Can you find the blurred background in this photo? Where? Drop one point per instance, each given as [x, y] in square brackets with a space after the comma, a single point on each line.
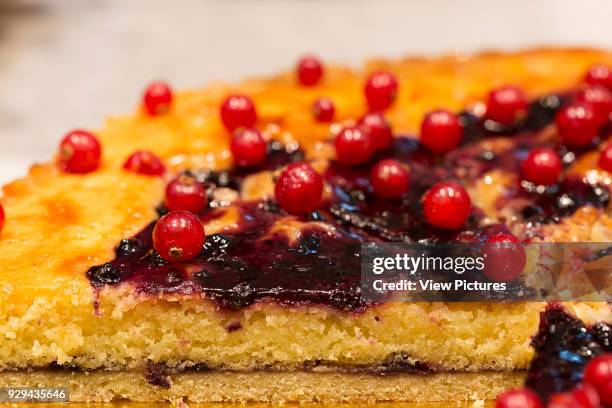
[71, 63]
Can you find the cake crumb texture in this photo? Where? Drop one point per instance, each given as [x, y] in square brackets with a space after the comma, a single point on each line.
[273, 387]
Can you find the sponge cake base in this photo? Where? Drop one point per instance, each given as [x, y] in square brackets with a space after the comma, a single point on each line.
[266, 386]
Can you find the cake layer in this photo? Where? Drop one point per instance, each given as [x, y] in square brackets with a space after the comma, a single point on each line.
[181, 404]
[272, 386]
[182, 332]
[59, 226]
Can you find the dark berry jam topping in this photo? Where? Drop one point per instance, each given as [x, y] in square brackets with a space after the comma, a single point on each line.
[157, 374]
[237, 269]
[563, 347]
[106, 274]
[551, 205]
[254, 262]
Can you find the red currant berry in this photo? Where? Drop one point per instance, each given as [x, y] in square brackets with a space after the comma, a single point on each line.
[145, 163]
[503, 238]
[390, 178]
[353, 146]
[605, 159]
[520, 398]
[441, 131]
[577, 124]
[599, 75]
[238, 111]
[447, 205]
[299, 189]
[2, 217]
[80, 152]
[542, 166]
[505, 258]
[323, 110]
[563, 400]
[605, 394]
[380, 90]
[248, 147]
[309, 70]
[600, 99]
[186, 194]
[178, 236]
[157, 98]
[586, 396]
[379, 129]
[506, 105]
[598, 372]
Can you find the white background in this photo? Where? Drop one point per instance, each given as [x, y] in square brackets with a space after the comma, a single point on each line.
[70, 63]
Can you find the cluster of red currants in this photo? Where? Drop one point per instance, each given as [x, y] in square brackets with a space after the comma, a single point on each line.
[578, 124]
[595, 391]
[299, 188]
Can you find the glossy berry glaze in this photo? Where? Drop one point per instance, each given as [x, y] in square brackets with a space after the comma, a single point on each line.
[563, 347]
[254, 262]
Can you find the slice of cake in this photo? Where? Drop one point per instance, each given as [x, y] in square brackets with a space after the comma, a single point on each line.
[248, 286]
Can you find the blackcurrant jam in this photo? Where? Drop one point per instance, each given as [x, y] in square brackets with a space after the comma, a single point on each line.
[563, 347]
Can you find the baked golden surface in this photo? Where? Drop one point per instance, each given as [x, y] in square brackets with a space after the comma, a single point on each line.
[59, 225]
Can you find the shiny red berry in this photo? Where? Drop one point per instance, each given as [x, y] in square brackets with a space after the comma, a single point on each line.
[586, 396]
[600, 99]
[2, 217]
[577, 124]
[543, 167]
[447, 205]
[145, 163]
[80, 152]
[503, 238]
[390, 178]
[323, 110]
[380, 90]
[309, 70]
[178, 236]
[519, 398]
[299, 189]
[563, 400]
[605, 394]
[506, 105]
[185, 193]
[353, 146]
[379, 128]
[605, 159]
[598, 372]
[238, 111]
[248, 147]
[157, 98]
[599, 75]
[504, 258]
[441, 131]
